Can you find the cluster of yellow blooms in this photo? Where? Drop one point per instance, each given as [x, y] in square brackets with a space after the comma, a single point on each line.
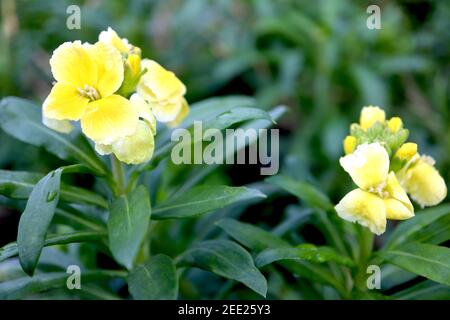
[385, 168]
[116, 96]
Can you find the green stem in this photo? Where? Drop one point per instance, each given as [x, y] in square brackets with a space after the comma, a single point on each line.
[119, 176]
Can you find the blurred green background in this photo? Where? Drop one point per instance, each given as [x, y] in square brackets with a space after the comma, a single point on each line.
[316, 57]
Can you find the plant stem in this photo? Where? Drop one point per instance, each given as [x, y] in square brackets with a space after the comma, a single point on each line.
[119, 176]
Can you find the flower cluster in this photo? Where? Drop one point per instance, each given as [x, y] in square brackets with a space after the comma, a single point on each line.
[116, 96]
[386, 169]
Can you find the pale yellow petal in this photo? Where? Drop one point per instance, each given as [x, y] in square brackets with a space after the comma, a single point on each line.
[364, 208]
[143, 110]
[103, 149]
[159, 83]
[62, 126]
[109, 119]
[397, 210]
[109, 67]
[64, 103]
[370, 115]
[71, 64]
[368, 166]
[166, 112]
[136, 148]
[181, 115]
[424, 183]
[396, 191]
[110, 37]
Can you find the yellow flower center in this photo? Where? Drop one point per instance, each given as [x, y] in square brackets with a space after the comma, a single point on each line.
[89, 92]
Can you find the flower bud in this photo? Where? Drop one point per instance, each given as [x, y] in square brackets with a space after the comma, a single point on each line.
[395, 124]
[406, 151]
[349, 144]
[370, 115]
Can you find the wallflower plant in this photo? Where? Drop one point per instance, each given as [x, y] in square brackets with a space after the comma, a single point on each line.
[140, 227]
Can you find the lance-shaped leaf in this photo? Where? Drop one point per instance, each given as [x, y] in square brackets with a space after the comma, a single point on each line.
[227, 259]
[36, 219]
[127, 225]
[21, 119]
[155, 280]
[427, 260]
[306, 252]
[19, 184]
[305, 191]
[203, 199]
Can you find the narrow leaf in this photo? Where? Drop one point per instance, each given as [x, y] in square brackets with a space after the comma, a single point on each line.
[427, 260]
[155, 280]
[227, 259]
[305, 191]
[201, 200]
[306, 252]
[127, 225]
[36, 219]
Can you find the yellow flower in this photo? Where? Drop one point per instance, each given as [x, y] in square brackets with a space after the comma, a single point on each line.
[110, 37]
[163, 91]
[181, 115]
[87, 76]
[370, 115]
[379, 196]
[137, 147]
[395, 124]
[423, 182]
[406, 151]
[349, 144]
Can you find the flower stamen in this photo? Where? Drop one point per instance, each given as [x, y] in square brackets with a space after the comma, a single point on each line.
[89, 92]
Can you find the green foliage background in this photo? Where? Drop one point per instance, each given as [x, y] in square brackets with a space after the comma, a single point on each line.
[317, 58]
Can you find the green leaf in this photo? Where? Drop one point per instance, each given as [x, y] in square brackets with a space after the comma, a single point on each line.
[21, 119]
[250, 236]
[11, 249]
[427, 260]
[19, 184]
[127, 225]
[306, 252]
[407, 229]
[23, 287]
[201, 200]
[227, 259]
[36, 219]
[305, 191]
[155, 280]
[426, 290]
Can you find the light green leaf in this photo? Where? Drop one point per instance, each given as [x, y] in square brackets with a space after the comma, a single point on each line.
[201, 200]
[127, 225]
[227, 259]
[306, 252]
[408, 228]
[305, 191]
[11, 250]
[36, 219]
[250, 236]
[19, 184]
[21, 119]
[155, 280]
[427, 260]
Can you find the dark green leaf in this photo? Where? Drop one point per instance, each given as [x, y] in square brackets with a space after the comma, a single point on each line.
[426, 290]
[201, 200]
[427, 260]
[422, 219]
[306, 252]
[21, 119]
[11, 250]
[250, 236]
[227, 259]
[155, 280]
[18, 185]
[127, 225]
[22, 287]
[305, 191]
[36, 219]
